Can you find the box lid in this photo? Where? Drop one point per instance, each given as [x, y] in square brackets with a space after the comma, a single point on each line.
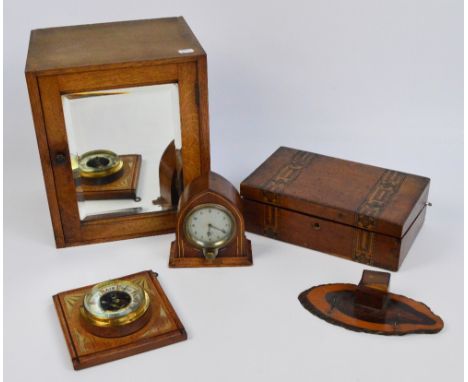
[368, 197]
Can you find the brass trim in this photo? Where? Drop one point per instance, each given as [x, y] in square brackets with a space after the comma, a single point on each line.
[218, 244]
[118, 321]
[101, 173]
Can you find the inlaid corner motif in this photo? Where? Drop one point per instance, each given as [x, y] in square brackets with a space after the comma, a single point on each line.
[71, 300]
[142, 283]
[82, 342]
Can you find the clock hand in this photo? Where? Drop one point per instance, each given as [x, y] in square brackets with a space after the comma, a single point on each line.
[219, 229]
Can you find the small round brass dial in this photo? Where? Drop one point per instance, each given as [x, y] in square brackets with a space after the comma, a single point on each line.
[99, 164]
[115, 308]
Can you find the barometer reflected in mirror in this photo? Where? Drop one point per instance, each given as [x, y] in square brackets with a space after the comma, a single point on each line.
[125, 149]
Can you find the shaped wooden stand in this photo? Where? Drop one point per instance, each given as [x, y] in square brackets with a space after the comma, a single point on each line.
[369, 307]
[163, 328]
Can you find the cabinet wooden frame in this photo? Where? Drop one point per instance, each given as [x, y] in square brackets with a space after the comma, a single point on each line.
[47, 85]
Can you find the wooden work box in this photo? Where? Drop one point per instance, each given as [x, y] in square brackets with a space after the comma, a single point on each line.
[98, 57]
[363, 213]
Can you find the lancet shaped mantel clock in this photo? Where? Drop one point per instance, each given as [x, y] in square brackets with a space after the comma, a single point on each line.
[121, 117]
[210, 230]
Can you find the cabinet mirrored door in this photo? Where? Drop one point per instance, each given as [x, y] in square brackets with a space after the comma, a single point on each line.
[125, 149]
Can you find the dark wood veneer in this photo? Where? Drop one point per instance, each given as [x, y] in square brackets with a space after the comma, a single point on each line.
[369, 307]
[360, 212]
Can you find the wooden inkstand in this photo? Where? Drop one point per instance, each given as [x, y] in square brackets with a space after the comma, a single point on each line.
[372, 290]
[369, 307]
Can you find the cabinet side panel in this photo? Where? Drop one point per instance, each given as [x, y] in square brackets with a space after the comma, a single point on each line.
[204, 115]
[44, 154]
[190, 121]
[57, 139]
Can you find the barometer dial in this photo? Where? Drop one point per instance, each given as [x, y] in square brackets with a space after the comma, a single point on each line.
[99, 164]
[115, 303]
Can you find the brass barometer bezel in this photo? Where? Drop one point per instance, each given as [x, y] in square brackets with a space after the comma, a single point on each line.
[119, 325]
[115, 165]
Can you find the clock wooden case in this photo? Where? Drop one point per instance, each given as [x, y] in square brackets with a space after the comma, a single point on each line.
[115, 55]
[211, 190]
[170, 176]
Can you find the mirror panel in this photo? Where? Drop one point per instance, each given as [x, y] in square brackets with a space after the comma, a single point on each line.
[125, 147]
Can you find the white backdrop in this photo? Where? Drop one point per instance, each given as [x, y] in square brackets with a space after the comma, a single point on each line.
[373, 81]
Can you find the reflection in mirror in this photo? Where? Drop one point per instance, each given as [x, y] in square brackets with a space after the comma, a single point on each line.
[125, 149]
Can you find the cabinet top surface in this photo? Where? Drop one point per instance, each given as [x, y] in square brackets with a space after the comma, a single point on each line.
[113, 43]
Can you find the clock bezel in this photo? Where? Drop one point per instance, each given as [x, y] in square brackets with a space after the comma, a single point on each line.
[219, 244]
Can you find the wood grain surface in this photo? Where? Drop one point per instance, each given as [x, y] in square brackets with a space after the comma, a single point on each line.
[86, 349]
[364, 213]
[211, 188]
[370, 308]
[108, 56]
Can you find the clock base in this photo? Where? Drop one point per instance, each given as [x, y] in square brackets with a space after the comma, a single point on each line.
[176, 261]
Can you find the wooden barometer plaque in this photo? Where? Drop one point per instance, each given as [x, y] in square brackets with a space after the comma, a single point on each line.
[116, 319]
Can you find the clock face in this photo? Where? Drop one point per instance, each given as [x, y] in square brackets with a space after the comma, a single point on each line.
[114, 299]
[209, 226]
